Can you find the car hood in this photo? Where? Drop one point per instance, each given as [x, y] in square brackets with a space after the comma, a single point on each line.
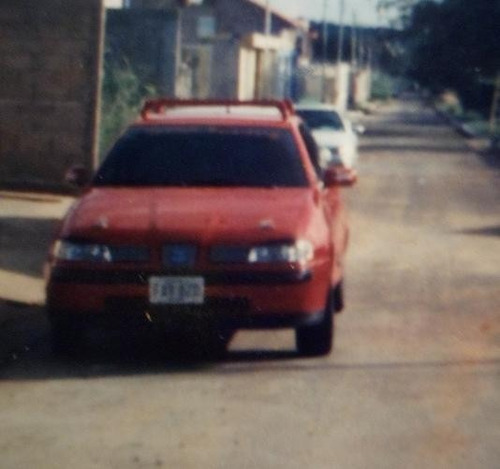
[205, 215]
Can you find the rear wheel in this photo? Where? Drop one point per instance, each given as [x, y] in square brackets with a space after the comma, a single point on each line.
[316, 340]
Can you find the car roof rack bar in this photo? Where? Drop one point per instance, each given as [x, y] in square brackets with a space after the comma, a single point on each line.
[159, 105]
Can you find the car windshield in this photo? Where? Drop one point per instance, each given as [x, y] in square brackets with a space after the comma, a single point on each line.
[321, 119]
[203, 156]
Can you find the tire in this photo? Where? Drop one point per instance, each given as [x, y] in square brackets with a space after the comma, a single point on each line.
[338, 297]
[67, 335]
[316, 340]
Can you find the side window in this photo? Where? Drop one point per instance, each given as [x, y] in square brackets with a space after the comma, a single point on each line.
[312, 148]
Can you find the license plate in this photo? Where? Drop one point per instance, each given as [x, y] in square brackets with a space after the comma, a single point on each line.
[176, 290]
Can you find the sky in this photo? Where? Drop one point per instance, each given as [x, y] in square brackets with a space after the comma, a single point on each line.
[364, 10]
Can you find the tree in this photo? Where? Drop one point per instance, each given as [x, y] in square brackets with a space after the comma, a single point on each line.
[453, 44]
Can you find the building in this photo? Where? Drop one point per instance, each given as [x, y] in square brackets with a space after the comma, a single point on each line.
[232, 48]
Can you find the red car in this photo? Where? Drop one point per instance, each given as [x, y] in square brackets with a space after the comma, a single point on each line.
[212, 212]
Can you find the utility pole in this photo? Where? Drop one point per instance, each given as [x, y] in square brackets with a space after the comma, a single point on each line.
[340, 50]
[361, 48]
[267, 19]
[325, 51]
[354, 47]
[341, 31]
[265, 65]
[494, 104]
[178, 50]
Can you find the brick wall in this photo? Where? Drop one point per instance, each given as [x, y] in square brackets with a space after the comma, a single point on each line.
[50, 52]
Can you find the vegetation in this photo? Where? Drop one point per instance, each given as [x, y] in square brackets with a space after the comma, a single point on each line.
[454, 44]
[380, 48]
[386, 85]
[122, 95]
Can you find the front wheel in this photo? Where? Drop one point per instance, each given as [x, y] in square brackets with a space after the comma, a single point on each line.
[67, 335]
[338, 297]
[316, 340]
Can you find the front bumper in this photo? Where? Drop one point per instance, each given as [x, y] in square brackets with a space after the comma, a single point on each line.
[240, 299]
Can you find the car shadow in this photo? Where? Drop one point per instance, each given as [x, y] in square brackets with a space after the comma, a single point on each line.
[484, 231]
[143, 351]
[146, 353]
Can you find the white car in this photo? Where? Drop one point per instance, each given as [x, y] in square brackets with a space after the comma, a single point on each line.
[332, 131]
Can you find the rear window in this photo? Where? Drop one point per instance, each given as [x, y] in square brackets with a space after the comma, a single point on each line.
[203, 156]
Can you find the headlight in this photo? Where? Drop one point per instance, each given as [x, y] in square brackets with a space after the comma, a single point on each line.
[71, 251]
[300, 251]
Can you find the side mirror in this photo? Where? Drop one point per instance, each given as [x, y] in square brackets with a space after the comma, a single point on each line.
[340, 177]
[77, 176]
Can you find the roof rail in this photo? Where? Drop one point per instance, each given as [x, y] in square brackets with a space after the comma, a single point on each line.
[160, 105]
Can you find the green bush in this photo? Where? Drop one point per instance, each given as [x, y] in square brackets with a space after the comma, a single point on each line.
[386, 86]
[383, 87]
[122, 95]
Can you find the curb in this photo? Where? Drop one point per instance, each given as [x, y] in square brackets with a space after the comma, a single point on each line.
[487, 145]
[461, 127]
[31, 196]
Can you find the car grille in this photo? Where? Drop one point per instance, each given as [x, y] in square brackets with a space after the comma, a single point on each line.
[121, 277]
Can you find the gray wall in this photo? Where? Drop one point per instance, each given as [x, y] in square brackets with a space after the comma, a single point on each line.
[49, 89]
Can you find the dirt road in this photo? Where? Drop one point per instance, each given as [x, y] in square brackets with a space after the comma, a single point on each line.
[413, 381]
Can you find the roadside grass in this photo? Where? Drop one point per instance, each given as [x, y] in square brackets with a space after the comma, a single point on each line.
[482, 128]
[470, 122]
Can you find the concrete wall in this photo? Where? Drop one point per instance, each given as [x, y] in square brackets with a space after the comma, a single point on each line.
[49, 86]
[234, 20]
[361, 86]
[226, 58]
[329, 84]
